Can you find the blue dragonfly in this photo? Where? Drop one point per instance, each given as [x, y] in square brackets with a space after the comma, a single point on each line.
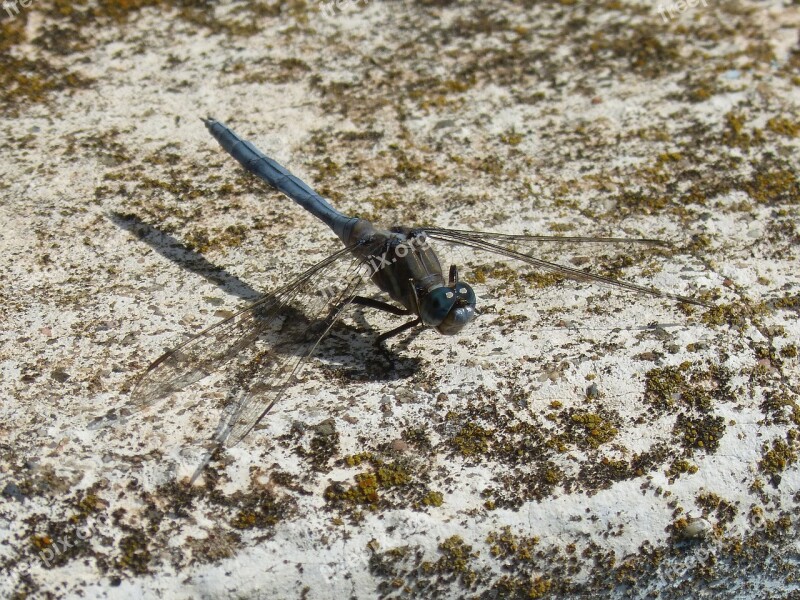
[271, 340]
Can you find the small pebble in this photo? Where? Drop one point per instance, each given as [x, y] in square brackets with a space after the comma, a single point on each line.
[399, 445]
[327, 427]
[696, 529]
[661, 333]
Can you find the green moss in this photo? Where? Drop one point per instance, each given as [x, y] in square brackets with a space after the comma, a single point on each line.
[392, 475]
[686, 386]
[323, 447]
[515, 283]
[593, 429]
[663, 385]
[504, 544]
[784, 126]
[89, 505]
[372, 488]
[409, 169]
[539, 587]
[491, 165]
[456, 560]
[326, 169]
[30, 77]
[787, 303]
[261, 510]
[702, 432]
[712, 504]
[365, 491]
[644, 52]
[641, 202]
[134, 554]
[233, 235]
[735, 315]
[553, 476]
[418, 437]
[697, 398]
[773, 184]
[356, 459]
[701, 90]
[775, 459]
[217, 545]
[511, 137]
[781, 408]
[433, 499]
[26, 81]
[601, 475]
[472, 440]
[735, 134]
[679, 467]
[404, 570]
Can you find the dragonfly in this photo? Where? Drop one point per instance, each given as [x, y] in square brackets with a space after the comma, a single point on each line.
[271, 340]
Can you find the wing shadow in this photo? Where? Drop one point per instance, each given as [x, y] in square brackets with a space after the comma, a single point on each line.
[176, 251]
[363, 362]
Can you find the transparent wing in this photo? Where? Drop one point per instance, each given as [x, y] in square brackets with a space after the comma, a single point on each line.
[480, 241]
[212, 348]
[522, 238]
[264, 374]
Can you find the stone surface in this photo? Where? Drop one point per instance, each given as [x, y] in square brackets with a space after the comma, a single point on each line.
[562, 446]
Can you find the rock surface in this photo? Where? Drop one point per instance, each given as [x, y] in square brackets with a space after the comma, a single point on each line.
[576, 440]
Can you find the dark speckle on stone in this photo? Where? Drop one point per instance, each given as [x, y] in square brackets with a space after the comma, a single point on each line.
[11, 490]
[59, 375]
[540, 117]
[662, 334]
[327, 427]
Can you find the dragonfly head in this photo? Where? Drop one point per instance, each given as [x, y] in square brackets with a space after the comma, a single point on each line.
[448, 308]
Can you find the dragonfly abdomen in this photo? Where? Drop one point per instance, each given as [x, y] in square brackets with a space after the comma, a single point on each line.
[263, 167]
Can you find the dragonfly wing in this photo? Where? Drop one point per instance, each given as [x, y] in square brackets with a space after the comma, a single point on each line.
[514, 238]
[260, 381]
[207, 351]
[478, 241]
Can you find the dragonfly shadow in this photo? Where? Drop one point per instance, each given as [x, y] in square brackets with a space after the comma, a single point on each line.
[172, 249]
[362, 362]
[367, 361]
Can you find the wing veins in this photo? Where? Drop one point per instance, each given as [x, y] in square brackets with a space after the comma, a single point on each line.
[239, 427]
[480, 235]
[187, 361]
[444, 235]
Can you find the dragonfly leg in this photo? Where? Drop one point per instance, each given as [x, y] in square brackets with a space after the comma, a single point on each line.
[453, 275]
[393, 332]
[380, 305]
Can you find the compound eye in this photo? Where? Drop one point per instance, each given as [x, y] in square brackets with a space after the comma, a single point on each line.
[436, 304]
[465, 293]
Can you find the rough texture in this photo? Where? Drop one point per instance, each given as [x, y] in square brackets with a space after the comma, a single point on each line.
[576, 440]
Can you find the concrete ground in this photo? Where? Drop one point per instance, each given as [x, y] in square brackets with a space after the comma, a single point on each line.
[575, 440]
